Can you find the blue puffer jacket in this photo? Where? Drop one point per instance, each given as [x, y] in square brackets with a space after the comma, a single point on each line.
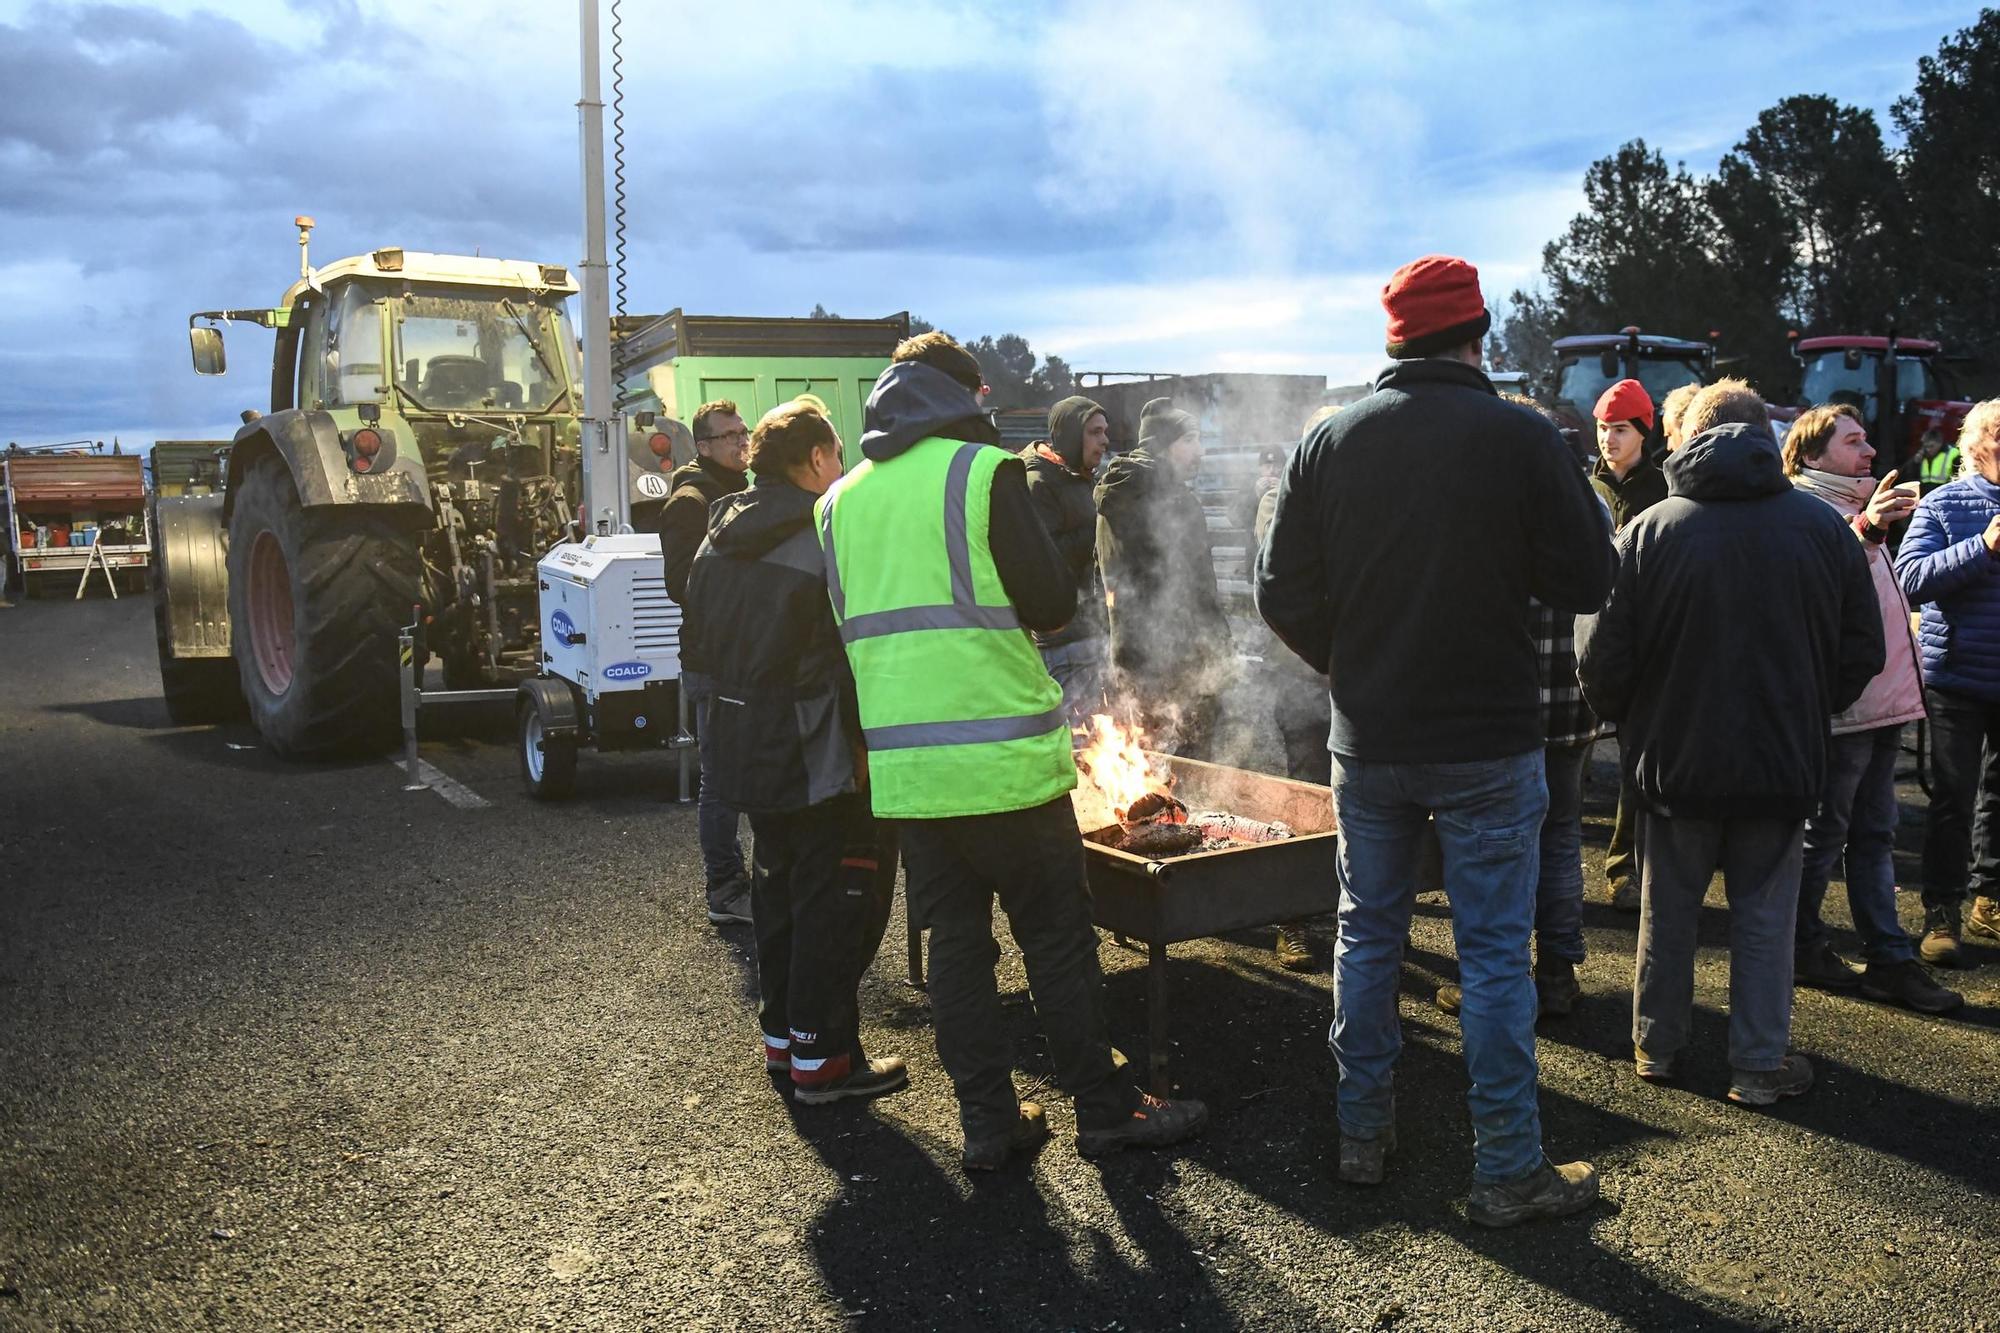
[1944, 566]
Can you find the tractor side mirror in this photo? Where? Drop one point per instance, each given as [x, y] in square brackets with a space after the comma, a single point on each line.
[206, 344]
[1607, 362]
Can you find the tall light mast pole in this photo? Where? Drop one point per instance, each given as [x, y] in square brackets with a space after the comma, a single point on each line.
[604, 483]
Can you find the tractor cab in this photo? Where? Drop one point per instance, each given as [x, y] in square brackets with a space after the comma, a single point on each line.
[1899, 385]
[1589, 363]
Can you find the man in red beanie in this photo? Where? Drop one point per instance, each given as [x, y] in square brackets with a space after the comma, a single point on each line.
[1415, 601]
[1631, 484]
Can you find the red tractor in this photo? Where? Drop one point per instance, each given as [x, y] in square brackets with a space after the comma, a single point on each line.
[1900, 385]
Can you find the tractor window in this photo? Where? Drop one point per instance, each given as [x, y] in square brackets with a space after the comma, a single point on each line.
[1828, 380]
[484, 352]
[354, 348]
[1663, 377]
[1582, 382]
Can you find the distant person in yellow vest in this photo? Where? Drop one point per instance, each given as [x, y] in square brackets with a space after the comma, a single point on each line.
[938, 567]
[1940, 462]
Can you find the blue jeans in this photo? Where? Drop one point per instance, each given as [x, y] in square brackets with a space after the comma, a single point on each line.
[715, 823]
[1489, 819]
[1857, 811]
[1082, 669]
[1559, 884]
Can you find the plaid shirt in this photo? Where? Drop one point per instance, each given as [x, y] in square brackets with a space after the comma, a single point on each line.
[1566, 718]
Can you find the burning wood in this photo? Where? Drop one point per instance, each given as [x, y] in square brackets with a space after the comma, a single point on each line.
[1125, 800]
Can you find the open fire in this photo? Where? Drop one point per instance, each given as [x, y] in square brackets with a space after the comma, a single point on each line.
[1125, 799]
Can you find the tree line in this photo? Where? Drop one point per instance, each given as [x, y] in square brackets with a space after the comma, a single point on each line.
[1813, 223]
[1013, 372]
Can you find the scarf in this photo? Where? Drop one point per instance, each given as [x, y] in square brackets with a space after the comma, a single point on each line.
[1850, 495]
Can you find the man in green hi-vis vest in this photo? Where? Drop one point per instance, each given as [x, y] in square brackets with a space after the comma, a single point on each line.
[938, 566]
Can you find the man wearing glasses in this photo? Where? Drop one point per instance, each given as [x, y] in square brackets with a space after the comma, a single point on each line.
[722, 454]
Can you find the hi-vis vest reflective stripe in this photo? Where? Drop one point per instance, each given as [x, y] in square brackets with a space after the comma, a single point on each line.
[959, 714]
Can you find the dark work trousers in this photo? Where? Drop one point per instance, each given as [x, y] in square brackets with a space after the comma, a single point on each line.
[1986, 829]
[1032, 861]
[821, 881]
[1623, 856]
[1760, 860]
[1303, 711]
[1962, 728]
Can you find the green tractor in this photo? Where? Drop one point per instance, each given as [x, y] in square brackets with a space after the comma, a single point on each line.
[420, 450]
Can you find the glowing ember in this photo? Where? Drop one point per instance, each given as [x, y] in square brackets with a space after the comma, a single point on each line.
[1113, 772]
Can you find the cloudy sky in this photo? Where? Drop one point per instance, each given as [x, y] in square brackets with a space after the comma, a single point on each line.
[1178, 185]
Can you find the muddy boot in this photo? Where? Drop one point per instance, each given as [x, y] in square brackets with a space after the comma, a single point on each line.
[1154, 1123]
[1983, 921]
[1939, 946]
[1762, 1087]
[1556, 987]
[1365, 1161]
[1625, 895]
[1291, 949]
[1551, 1191]
[1450, 999]
[991, 1152]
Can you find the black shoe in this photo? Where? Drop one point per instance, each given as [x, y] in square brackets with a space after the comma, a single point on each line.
[1552, 1191]
[1907, 983]
[1556, 987]
[1154, 1123]
[729, 901]
[990, 1152]
[875, 1079]
[1818, 966]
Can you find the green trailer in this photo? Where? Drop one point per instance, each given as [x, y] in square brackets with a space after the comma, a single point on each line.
[669, 365]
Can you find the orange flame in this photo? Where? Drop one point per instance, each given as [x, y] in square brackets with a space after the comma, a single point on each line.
[1113, 770]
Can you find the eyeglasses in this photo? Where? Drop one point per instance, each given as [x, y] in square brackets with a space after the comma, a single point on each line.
[741, 433]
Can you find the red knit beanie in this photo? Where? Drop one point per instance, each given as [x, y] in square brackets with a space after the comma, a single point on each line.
[1627, 400]
[1434, 305]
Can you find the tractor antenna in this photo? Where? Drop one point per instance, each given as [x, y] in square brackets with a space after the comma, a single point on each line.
[305, 226]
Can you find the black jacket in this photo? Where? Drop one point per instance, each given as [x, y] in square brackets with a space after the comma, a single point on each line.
[1062, 498]
[1168, 630]
[683, 520]
[912, 401]
[1411, 530]
[1644, 486]
[1742, 620]
[779, 724]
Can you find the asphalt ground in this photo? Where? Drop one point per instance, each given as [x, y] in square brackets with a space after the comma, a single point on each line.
[286, 1046]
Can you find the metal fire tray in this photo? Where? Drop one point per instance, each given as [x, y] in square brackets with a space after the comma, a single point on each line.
[1162, 902]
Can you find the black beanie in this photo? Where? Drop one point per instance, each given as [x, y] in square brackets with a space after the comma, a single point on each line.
[1067, 420]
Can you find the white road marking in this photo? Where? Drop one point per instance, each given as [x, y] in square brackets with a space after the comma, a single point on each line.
[460, 795]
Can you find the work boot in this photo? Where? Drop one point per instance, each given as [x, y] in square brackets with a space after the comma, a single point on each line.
[1817, 965]
[729, 901]
[1761, 1087]
[1939, 947]
[990, 1152]
[1907, 983]
[777, 1059]
[1154, 1123]
[1549, 1191]
[1365, 1161]
[1983, 921]
[1651, 1069]
[1291, 949]
[1556, 987]
[1450, 999]
[1625, 895]
[876, 1078]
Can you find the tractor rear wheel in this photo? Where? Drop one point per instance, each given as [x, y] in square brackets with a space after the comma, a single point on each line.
[315, 603]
